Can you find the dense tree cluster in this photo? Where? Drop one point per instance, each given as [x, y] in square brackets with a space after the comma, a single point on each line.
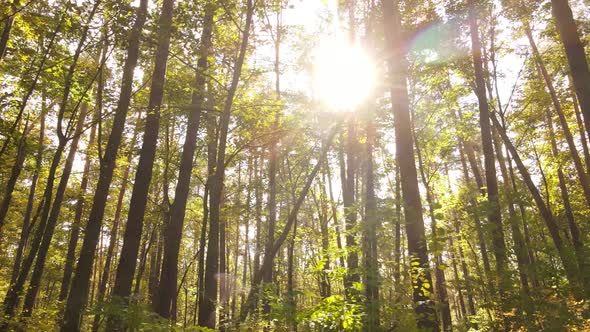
[164, 166]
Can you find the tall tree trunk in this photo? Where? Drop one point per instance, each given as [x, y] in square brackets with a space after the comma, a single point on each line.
[27, 224]
[4, 37]
[350, 209]
[173, 230]
[248, 306]
[493, 208]
[371, 225]
[569, 266]
[519, 244]
[53, 217]
[576, 56]
[581, 130]
[569, 214]
[81, 282]
[272, 161]
[114, 234]
[75, 231]
[417, 248]
[207, 309]
[582, 175]
[441, 287]
[14, 174]
[33, 86]
[143, 175]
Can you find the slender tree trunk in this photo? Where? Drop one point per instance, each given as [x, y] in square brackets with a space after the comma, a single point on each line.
[576, 56]
[53, 217]
[350, 209]
[33, 86]
[14, 174]
[371, 224]
[527, 237]
[494, 213]
[570, 268]
[441, 288]
[246, 256]
[81, 282]
[75, 231]
[27, 224]
[334, 211]
[569, 214]
[581, 131]
[458, 281]
[248, 306]
[325, 239]
[142, 261]
[582, 175]
[272, 164]
[398, 230]
[519, 244]
[417, 247]
[173, 231]
[13, 294]
[223, 269]
[258, 211]
[114, 234]
[212, 138]
[6, 30]
[207, 310]
[143, 175]
[154, 271]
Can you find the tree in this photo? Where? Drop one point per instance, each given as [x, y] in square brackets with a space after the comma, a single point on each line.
[143, 175]
[81, 280]
[418, 251]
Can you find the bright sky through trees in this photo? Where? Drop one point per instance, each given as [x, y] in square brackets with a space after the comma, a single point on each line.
[343, 74]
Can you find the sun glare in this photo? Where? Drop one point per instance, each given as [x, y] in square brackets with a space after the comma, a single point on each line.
[343, 75]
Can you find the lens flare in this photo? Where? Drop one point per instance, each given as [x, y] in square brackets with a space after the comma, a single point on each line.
[343, 75]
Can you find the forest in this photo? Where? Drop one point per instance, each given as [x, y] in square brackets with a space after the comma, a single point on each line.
[294, 165]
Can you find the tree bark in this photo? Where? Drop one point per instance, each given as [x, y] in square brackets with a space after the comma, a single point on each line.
[417, 247]
[371, 225]
[519, 244]
[173, 230]
[14, 174]
[27, 224]
[114, 235]
[81, 282]
[207, 309]
[7, 27]
[570, 268]
[33, 86]
[53, 217]
[493, 208]
[248, 306]
[441, 287]
[143, 175]
[576, 56]
[582, 175]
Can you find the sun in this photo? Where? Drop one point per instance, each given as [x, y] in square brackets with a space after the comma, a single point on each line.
[343, 74]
